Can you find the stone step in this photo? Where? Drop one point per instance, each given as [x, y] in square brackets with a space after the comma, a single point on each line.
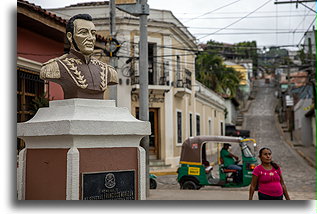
[159, 168]
[152, 157]
[156, 164]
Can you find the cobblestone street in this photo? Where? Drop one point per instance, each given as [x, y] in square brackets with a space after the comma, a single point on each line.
[260, 120]
[299, 177]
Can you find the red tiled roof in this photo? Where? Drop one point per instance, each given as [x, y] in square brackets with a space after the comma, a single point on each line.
[39, 10]
[299, 74]
[45, 13]
[96, 3]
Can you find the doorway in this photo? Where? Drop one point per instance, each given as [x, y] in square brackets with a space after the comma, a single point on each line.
[154, 136]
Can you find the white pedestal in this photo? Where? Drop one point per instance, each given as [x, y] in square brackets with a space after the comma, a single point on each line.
[77, 136]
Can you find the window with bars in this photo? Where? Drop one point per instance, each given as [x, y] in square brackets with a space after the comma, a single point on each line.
[197, 125]
[179, 127]
[190, 124]
[29, 86]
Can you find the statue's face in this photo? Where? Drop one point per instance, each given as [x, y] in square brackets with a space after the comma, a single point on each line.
[84, 36]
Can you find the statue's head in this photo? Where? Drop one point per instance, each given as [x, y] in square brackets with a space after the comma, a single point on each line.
[81, 33]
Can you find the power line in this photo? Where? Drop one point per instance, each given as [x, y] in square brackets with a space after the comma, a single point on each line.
[235, 12]
[214, 10]
[301, 21]
[242, 29]
[292, 2]
[307, 7]
[252, 33]
[170, 47]
[237, 20]
[251, 17]
[306, 31]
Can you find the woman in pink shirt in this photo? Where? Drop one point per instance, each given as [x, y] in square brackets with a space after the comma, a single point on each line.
[268, 177]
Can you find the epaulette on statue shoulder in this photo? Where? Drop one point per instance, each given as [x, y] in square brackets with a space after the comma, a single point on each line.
[111, 67]
[54, 60]
[50, 69]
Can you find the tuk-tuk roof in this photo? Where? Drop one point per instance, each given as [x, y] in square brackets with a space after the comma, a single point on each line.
[191, 147]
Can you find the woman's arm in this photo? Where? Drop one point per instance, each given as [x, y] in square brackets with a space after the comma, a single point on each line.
[253, 184]
[284, 188]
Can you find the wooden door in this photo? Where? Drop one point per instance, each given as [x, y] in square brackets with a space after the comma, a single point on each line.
[154, 136]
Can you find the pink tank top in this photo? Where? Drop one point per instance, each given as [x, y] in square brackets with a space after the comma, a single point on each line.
[269, 181]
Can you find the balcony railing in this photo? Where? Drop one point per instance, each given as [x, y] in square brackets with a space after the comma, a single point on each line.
[184, 81]
[162, 80]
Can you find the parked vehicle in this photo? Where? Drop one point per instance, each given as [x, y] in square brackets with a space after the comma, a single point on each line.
[232, 131]
[194, 173]
[153, 183]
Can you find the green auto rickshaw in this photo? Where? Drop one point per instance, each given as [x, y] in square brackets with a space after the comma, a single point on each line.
[194, 173]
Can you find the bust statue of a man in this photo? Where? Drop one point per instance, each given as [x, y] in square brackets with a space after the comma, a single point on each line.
[79, 74]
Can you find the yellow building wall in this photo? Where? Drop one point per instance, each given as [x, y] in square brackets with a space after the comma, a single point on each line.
[243, 71]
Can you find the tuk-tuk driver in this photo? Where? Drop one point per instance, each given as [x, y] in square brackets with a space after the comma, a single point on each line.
[227, 158]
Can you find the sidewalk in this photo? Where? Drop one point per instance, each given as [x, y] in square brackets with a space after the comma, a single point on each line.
[169, 171]
[198, 195]
[306, 152]
[202, 194]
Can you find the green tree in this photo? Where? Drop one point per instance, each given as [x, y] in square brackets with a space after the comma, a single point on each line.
[211, 71]
[39, 102]
[248, 50]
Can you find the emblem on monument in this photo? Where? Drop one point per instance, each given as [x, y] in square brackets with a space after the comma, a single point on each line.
[110, 181]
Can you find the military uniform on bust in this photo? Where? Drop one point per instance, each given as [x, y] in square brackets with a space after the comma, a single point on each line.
[79, 76]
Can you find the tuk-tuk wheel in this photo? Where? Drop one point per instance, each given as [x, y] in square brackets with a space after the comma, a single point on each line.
[189, 185]
[153, 183]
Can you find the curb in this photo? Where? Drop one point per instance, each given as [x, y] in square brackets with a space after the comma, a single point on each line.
[310, 161]
[163, 173]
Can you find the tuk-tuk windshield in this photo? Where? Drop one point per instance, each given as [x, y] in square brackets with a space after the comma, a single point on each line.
[246, 150]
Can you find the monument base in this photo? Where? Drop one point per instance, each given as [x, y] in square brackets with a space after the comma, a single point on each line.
[82, 154]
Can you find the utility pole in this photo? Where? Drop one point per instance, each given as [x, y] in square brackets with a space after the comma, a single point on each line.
[140, 8]
[311, 61]
[288, 78]
[289, 108]
[144, 82]
[293, 1]
[113, 59]
[313, 79]
[297, 2]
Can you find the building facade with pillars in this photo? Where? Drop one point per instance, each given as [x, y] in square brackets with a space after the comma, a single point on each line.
[179, 106]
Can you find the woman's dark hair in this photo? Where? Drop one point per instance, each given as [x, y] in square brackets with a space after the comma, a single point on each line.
[275, 165]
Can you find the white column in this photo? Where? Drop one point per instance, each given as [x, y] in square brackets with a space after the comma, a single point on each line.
[203, 121]
[21, 175]
[142, 177]
[72, 182]
[186, 114]
[169, 106]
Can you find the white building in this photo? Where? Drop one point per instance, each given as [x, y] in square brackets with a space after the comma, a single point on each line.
[179, 106]
[310, 39]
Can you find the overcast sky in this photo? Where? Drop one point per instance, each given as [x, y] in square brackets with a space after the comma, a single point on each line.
[232, 21]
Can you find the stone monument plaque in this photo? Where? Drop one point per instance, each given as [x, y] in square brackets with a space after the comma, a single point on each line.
[110, 185]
